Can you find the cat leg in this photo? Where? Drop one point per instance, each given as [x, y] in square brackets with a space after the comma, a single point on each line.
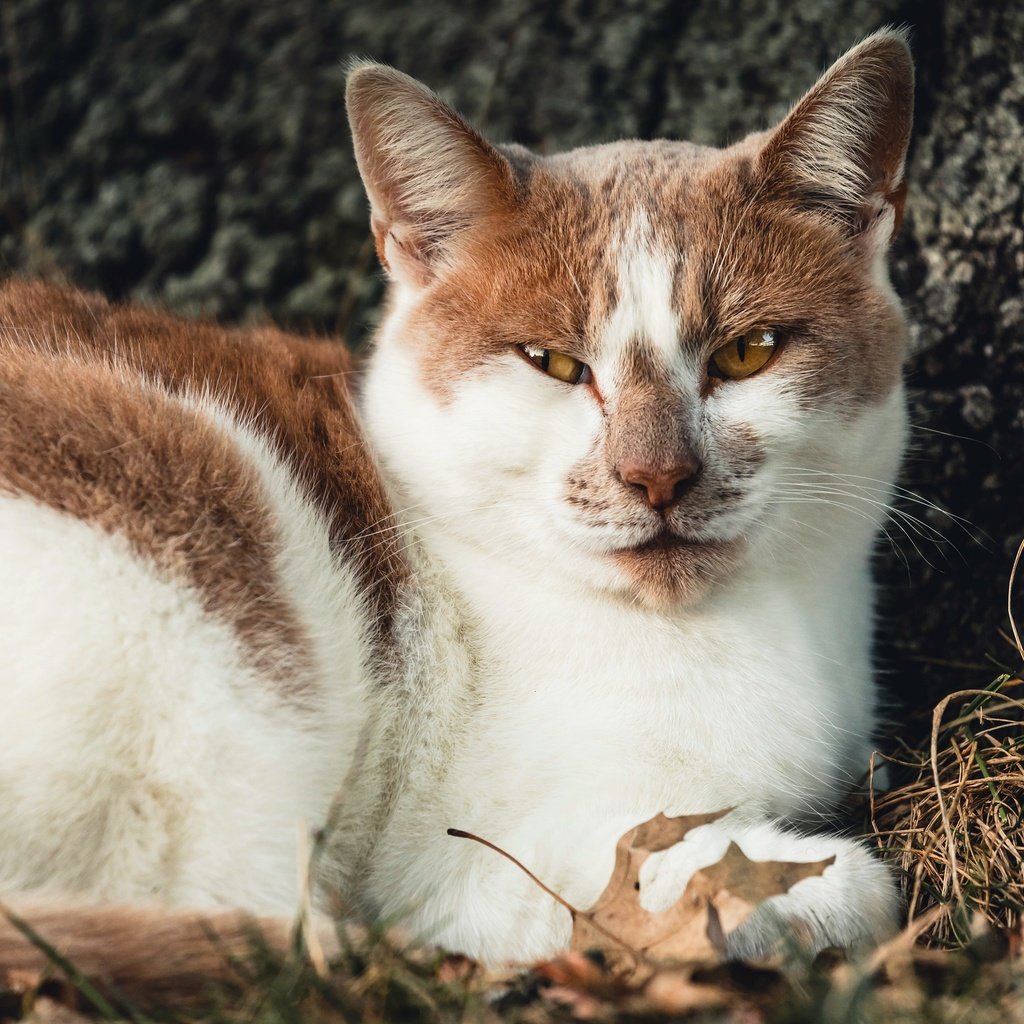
[853, 904]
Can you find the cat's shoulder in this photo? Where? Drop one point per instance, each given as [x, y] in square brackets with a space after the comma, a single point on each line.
[173, 432]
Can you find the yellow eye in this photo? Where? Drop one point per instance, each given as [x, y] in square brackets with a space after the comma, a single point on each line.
[743, 355]
[558, 365]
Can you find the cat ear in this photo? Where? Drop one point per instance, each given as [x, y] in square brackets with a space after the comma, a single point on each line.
[429, 175]
[842, 149]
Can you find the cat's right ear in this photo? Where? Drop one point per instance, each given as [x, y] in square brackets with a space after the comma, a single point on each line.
[429, 175]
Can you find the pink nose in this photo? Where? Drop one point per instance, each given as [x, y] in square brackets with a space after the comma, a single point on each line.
[662, 486]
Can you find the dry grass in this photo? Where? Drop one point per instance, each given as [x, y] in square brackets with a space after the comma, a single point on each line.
[955, 827]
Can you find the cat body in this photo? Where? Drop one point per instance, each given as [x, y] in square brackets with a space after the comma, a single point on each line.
[559, 561]
[186, 658]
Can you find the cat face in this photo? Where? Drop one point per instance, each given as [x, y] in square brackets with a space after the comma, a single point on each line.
[633, 365]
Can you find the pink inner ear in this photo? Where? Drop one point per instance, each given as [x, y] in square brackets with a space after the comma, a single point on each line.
[844, 144]
[404, 254]
[428, 173]
[380, 233]
[897, 200]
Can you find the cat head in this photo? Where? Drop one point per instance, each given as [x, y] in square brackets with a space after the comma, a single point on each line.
[642, 366]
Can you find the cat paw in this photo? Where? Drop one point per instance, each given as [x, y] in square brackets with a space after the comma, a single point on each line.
[853, 904]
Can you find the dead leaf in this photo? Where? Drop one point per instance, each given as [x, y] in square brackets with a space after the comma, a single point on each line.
[717, 899]
[633, 941]
[675, 992]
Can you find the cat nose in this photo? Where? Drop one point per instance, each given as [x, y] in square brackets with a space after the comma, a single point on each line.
[662, 486]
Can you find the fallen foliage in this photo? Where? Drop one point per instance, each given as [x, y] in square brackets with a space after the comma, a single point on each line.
[716, 901]
[635, 943]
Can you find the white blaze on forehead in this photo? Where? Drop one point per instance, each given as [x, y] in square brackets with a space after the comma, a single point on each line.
[644, 311]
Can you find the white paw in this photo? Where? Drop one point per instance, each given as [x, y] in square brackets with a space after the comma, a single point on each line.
[854, 903]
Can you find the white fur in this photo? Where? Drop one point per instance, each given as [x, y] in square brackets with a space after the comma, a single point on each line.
[645, 307]
[590, 717]
[585, 713]
[537, 705]
[318, 583]
[143, 756]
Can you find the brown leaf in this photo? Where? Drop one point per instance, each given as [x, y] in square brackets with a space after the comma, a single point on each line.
[675, 992]
[50, 1011]
[456, 969]
[717, 899]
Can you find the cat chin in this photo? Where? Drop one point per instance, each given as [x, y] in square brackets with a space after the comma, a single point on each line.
[670, 576]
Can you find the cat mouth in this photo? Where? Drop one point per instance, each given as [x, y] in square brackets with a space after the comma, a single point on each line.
[670, 569]
[664, 540]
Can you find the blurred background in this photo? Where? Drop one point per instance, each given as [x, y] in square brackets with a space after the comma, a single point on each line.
[194, 154]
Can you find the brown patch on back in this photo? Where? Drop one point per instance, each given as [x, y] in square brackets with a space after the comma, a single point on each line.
[80, 434]
[137, 464]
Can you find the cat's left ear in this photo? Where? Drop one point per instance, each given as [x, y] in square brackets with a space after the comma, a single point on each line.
[842, 150]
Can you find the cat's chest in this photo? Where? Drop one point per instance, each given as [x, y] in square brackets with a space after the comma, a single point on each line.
[730, 705]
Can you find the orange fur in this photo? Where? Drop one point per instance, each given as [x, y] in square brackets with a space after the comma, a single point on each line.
[81, 435]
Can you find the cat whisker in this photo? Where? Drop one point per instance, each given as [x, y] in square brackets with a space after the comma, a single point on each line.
[843, 483]
[717, 264]
[920, 527]
[338, 373]
[572, 275]
[811, 498]
[955, 437]
[903, 493]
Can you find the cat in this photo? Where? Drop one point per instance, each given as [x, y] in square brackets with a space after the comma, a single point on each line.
[587, 538]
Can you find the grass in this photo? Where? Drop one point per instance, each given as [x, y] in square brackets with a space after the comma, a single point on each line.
[379, 981]
[955, 828]
[952, 828]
